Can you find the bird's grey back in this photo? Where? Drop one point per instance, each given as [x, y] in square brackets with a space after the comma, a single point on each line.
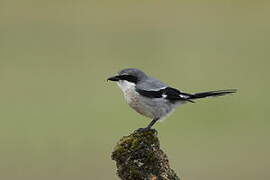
[150, 84]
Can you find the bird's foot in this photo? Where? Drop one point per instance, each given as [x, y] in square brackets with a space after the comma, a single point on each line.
[142, 130]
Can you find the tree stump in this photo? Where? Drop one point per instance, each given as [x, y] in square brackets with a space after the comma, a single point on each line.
[138, 157]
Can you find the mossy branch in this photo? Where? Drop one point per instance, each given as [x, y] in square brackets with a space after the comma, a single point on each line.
[139, 157]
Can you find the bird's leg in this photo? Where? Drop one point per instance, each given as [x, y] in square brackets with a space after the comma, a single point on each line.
[149, 125]
[152, 123]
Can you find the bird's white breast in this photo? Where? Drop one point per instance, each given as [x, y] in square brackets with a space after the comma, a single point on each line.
[128, 89]
[125, 85]
[133, 98]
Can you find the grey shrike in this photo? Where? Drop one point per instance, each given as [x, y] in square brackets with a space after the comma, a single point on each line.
[152, 98]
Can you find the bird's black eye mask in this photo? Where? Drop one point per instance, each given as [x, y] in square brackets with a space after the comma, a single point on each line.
[126, 77]
[129, 78]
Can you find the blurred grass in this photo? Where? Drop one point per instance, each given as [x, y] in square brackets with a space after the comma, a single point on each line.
[60, 118]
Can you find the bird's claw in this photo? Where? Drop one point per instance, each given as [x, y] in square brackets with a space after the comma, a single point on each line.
[141, 130]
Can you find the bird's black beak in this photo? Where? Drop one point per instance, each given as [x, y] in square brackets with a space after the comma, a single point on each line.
[113, 78]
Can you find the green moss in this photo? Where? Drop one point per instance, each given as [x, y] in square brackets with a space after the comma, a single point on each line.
[139, 157]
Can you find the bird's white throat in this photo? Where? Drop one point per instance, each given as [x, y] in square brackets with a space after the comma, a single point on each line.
[126, 85]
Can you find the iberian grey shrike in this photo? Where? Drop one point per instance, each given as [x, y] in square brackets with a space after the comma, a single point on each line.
[152, 98]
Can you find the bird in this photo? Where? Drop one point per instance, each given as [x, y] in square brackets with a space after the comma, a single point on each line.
[152, 98]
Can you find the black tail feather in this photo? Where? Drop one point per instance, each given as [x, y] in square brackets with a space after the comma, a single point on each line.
[212, 93]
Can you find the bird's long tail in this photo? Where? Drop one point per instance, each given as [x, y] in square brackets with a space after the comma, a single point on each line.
[212, 93]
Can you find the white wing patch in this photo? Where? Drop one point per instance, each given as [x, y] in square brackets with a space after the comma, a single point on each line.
[156, 89]
[164, 96]
[183, 96]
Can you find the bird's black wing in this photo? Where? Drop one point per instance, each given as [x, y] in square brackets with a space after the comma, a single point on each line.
[174, 95]
[169, 93]
[150, 93]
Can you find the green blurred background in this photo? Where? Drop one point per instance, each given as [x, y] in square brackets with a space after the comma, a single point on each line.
[60, 119]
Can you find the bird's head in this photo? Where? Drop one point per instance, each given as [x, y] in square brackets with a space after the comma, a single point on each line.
[131, 75]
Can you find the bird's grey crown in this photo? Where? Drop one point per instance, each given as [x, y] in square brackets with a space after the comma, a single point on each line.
[140, 75]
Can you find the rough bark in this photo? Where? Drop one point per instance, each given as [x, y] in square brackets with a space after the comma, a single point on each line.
[138, 157]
